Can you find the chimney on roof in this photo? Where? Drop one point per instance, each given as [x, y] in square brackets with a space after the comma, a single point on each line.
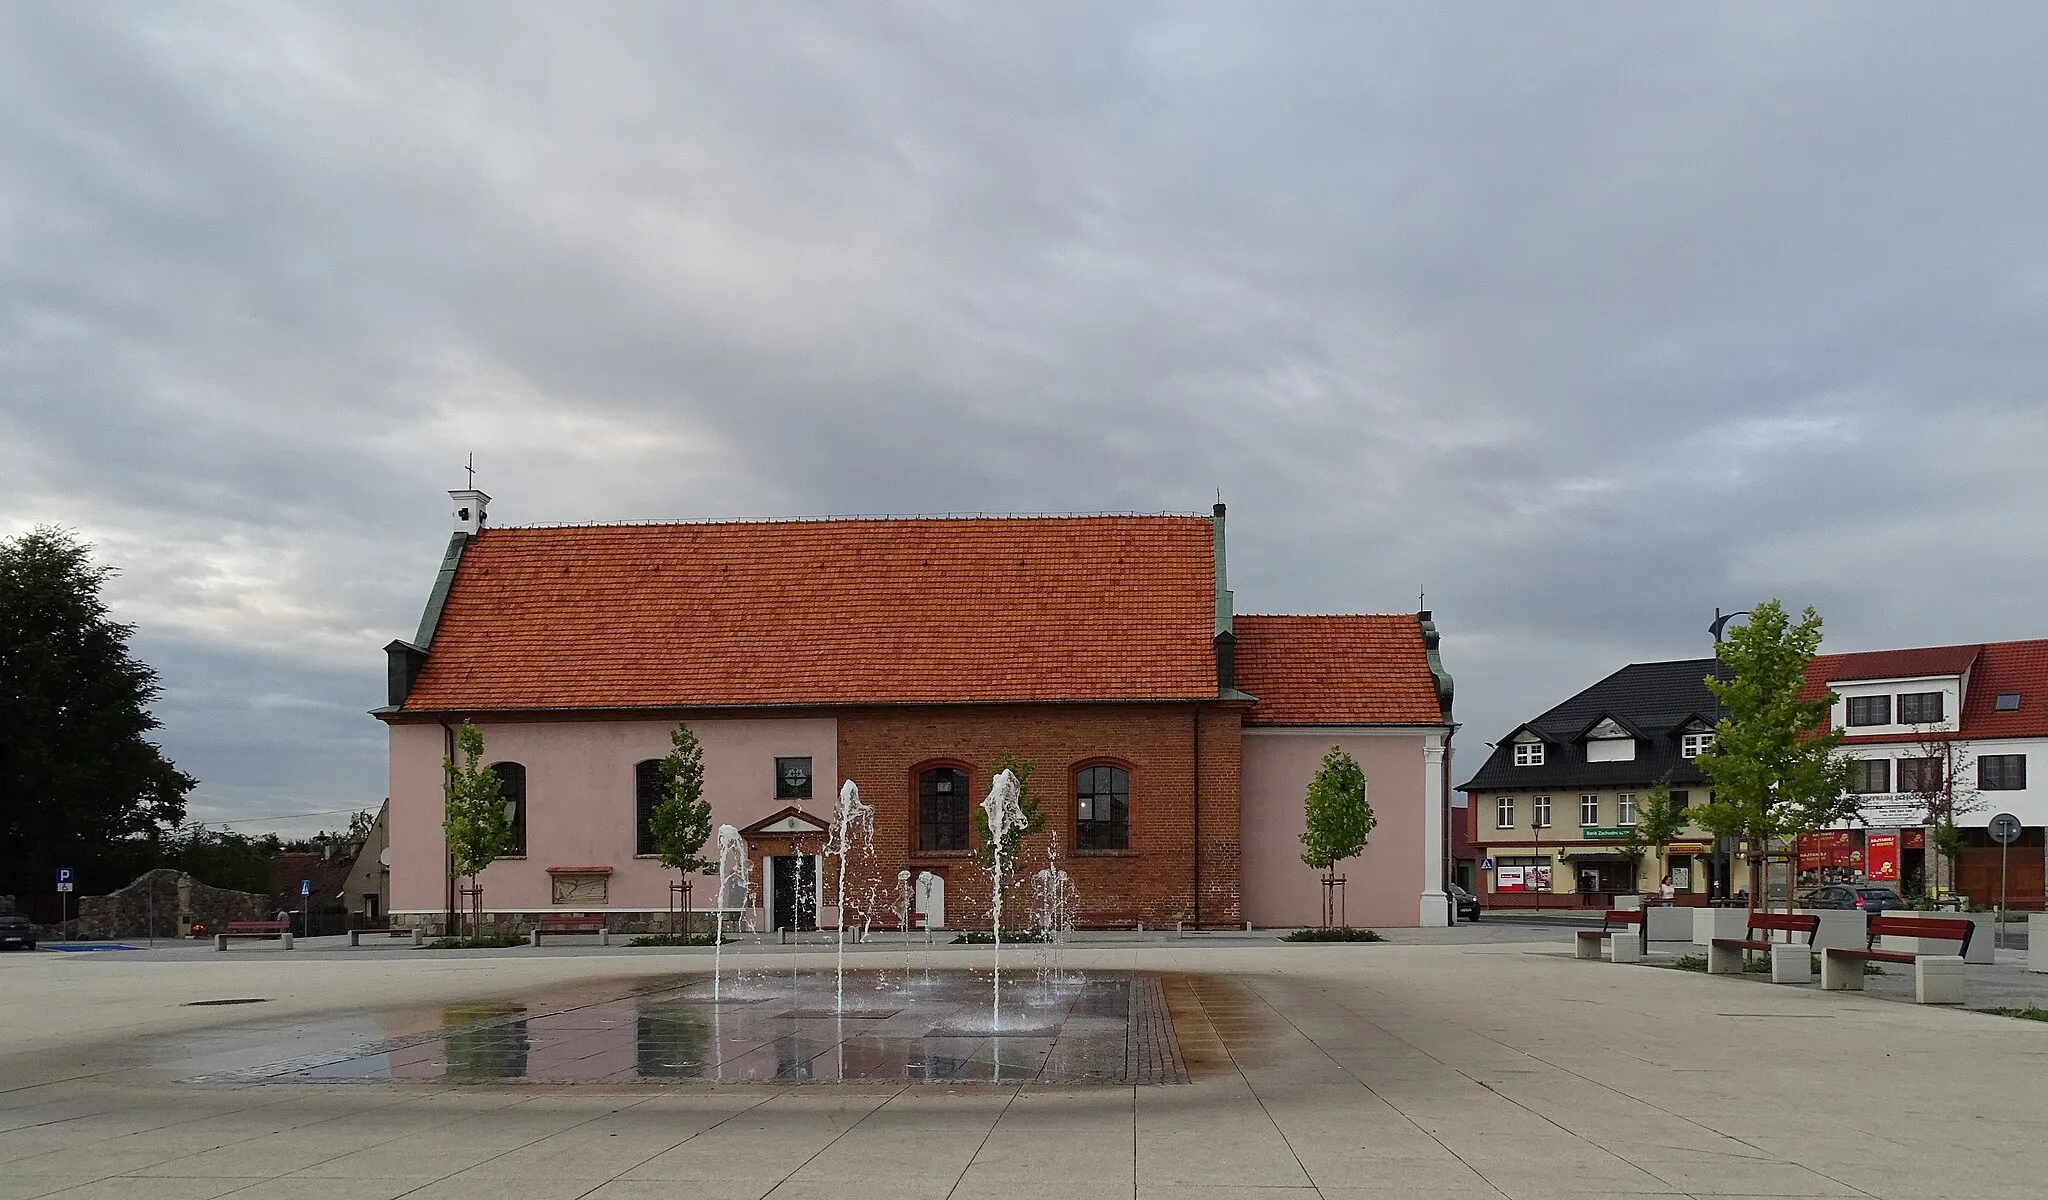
[468, 505]
[1224, 639]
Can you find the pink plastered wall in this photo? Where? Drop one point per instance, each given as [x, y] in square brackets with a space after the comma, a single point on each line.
[579, 786]
[1383, 885]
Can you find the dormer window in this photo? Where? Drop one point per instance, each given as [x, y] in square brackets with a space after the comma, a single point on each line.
[1528, 754]
[1870, 710]
[1692, 745]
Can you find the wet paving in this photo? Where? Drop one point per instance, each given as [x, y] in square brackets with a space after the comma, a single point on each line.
[904, 1026]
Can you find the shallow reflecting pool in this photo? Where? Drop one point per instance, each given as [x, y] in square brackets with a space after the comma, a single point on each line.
[762, 1027]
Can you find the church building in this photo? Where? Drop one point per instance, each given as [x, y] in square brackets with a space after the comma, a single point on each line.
[1172, 739]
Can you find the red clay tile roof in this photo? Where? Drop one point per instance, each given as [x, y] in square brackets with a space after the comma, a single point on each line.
[1888, 664]
[1345, 670]
[827, 612]
[1995, 668]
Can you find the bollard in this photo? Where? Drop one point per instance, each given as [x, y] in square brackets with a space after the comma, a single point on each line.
[604, 937]
[419, 937]
[355, 938]
[286, 938]
[533, 937]
[220, 941]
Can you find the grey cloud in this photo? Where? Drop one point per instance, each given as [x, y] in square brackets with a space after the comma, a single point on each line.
[1586, 321]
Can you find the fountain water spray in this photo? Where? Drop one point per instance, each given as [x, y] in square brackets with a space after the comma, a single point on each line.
[1053, 914]
[1004, 809]
[732, 863]
[853, 830]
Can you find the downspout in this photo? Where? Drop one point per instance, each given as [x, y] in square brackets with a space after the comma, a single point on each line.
[1196, 732]
[448, 856]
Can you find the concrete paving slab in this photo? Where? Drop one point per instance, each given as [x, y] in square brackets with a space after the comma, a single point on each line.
[1467, 1067]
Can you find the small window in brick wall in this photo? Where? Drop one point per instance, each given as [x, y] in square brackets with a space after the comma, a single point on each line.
[1102, 808]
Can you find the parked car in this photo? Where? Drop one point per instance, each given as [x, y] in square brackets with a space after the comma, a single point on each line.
[1468, 904]
[1871, 900]
[17, 932]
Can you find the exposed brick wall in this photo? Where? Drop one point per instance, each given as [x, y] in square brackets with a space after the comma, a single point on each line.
[882, 749]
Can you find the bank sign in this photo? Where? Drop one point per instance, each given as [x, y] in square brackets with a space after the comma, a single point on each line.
[1609, 834]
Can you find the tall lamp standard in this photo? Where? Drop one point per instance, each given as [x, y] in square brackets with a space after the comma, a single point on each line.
[1727, 861]
[1721, 621]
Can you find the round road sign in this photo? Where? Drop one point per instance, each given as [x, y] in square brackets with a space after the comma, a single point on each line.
[2005, 829]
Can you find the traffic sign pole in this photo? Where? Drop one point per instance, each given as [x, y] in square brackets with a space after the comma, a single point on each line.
[2005, 830]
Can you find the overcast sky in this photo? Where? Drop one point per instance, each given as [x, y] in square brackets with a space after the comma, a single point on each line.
[1585, 318]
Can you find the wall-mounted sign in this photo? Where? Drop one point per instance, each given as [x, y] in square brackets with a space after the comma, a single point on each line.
[1829, 848]
[1613, 833]
[1881, 857]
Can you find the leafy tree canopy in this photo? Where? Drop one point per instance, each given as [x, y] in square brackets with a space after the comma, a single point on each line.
[475, 823]
[1027, 801]
[681, 820]
[80, 786]
[1775, 770]
[1339, 819]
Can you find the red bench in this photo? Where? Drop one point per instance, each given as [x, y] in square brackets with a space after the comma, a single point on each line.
[563, 923]
[1586, 942]
[1725, 955]
[1937, 978]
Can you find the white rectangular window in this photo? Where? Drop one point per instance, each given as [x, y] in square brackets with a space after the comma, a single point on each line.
[1589, 809]
[1627, 815]
[1540, 814]
[1528, 754]
[1611, 750]
[1693, 744]
[1504, 813]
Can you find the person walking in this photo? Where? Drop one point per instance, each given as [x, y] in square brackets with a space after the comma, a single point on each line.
[1666, 890]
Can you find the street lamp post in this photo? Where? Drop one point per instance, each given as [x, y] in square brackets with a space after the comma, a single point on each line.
[1721, 621]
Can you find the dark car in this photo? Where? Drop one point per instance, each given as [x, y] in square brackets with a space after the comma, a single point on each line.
[1468, 904]
[1871, 900]
[17, 932]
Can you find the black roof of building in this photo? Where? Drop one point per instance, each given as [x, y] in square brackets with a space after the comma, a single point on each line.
[1657, 699]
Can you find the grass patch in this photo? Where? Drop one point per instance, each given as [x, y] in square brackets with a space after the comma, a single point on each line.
[677, 939]
[1691, 962]
[2029, 1013]
[487, 942]
[1342, 933]
[983, 937]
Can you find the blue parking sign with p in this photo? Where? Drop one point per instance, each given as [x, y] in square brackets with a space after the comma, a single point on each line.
[63, 874]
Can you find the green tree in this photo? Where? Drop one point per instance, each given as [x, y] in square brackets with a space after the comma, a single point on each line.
[681, 820]
[1659, 821]
[1027, 802]
[1775, 771]
[80, 786]
[1338, 818]
[474, 821]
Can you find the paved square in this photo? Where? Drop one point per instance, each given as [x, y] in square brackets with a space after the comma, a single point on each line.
[1452, 1070]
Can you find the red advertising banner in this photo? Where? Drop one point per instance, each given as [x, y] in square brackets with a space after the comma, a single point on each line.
[1916, 839]
[1882, 857]
[1829, 848]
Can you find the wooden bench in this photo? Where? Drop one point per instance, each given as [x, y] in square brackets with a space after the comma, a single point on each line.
[1586, 942]
[1111, 920]
[1791, 962]
[278, 930]
[1937, 978]
[571, 924]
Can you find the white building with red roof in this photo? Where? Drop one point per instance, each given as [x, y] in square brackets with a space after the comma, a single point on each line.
[1942, 730]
